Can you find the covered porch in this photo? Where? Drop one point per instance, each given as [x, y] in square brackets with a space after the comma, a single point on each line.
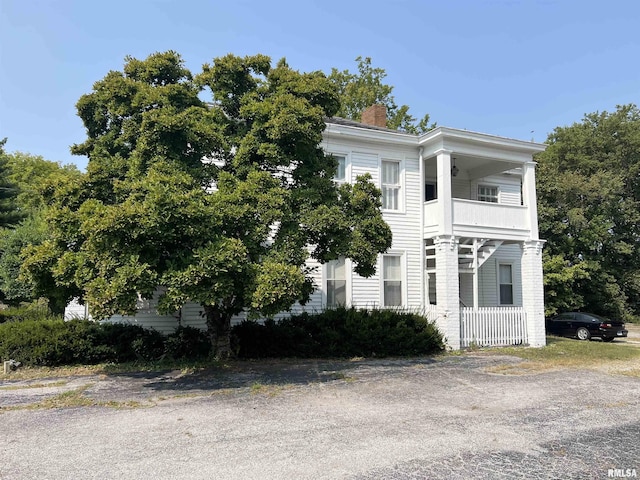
[479, 198]
[485, 292]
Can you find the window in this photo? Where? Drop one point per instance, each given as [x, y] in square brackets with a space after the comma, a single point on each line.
[341, 172]
[506, 284]
[431, 292]
[487, 194]
[390, 185]
[430, 191]
[392, 280]
[336, 283]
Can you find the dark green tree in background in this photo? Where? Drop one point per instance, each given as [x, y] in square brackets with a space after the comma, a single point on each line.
[9, 211]
[35, 179]
[231, 233]
[360, 90]
[589, 199]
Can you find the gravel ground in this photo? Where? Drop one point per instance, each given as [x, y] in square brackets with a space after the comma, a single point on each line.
[374, 419]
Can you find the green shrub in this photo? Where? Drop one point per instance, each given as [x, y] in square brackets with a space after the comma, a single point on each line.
[340, 333]
[187, 342]
[56, 342]
[28, 312]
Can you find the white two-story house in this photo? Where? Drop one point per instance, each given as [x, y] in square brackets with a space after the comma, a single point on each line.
[462, 209]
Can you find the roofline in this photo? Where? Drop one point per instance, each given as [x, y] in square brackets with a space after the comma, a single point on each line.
[375, 135]
[378, 134]
[478, 137]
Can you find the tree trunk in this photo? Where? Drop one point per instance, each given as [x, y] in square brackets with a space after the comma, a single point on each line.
[219, 331]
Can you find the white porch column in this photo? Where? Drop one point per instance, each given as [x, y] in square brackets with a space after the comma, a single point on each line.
[448, 289]
[529, 197]
[533, 291]
[476, 272]
[445, 210]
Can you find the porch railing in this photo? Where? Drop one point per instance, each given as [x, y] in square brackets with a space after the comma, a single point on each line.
[493, 326]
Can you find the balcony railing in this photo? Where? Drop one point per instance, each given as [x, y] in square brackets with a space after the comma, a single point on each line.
[474, 215]
[497, 215]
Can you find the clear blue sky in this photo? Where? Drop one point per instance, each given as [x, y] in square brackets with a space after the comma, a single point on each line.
[505, 67]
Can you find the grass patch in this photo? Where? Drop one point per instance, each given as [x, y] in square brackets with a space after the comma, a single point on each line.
[268, 390]
[37, 373]
[185, 366]
[570, 353]
[72, 399]
[59, 383]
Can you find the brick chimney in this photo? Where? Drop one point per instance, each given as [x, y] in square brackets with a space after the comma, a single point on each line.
[375, 115]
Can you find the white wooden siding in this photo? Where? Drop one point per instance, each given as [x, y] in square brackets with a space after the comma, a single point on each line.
[75, 310]
[466, 289]
[488, 280]
[508, 188]
[460, 188]
[404, 224]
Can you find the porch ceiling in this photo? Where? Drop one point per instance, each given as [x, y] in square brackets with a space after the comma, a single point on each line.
[472, 167]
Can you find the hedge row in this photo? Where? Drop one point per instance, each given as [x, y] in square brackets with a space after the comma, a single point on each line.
[56, 342]
[29, 312]
[340, 333]
[333, 333]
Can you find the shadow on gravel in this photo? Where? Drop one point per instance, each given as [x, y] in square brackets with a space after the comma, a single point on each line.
[243, 374]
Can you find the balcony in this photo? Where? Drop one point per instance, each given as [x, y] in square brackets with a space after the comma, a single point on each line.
[471, 218]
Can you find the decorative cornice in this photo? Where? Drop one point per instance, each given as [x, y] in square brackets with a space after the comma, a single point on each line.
[443, 150]
[533, 247]
[446, 242]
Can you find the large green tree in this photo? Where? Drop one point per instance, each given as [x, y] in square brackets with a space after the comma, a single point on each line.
[589, 197]
[10, 214]
[360, 90]
[219, 203]
[35, 179]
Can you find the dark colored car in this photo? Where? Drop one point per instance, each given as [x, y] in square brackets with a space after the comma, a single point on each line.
[585, 325]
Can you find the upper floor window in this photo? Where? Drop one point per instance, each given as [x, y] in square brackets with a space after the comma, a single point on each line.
[506, 284]
[341, 172]
[487, 193]
[392, 280]
[336, 283]
[390, 185]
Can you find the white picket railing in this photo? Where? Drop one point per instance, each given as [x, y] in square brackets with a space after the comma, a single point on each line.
[493, 326]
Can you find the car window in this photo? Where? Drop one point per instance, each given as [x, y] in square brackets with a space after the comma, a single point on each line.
[563, 317]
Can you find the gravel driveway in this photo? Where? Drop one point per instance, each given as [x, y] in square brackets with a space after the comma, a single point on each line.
[447, 417]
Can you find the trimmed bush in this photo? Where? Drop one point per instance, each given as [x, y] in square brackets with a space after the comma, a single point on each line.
[56, 342]
[340, 333]
[28, 312]
[187, 342]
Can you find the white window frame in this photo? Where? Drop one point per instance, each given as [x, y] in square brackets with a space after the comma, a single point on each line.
[328, 278]
[384, 187]
[401, 279]
[500, 284]
[488, 197]
[347, 170]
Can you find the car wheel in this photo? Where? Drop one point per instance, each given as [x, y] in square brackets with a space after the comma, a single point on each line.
[608, 339]
[583, 334]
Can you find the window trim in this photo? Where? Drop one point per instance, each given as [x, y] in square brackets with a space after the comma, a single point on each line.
[488, 185]
[500, 284]
[399, 186]
[402, 279]
[347, 167]
[434, 184]
[347, 284]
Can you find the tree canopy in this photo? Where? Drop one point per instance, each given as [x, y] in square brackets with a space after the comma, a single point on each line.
[220, 202]
[10, 214]
[360, 90]
[34, 179]
[589, 197]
